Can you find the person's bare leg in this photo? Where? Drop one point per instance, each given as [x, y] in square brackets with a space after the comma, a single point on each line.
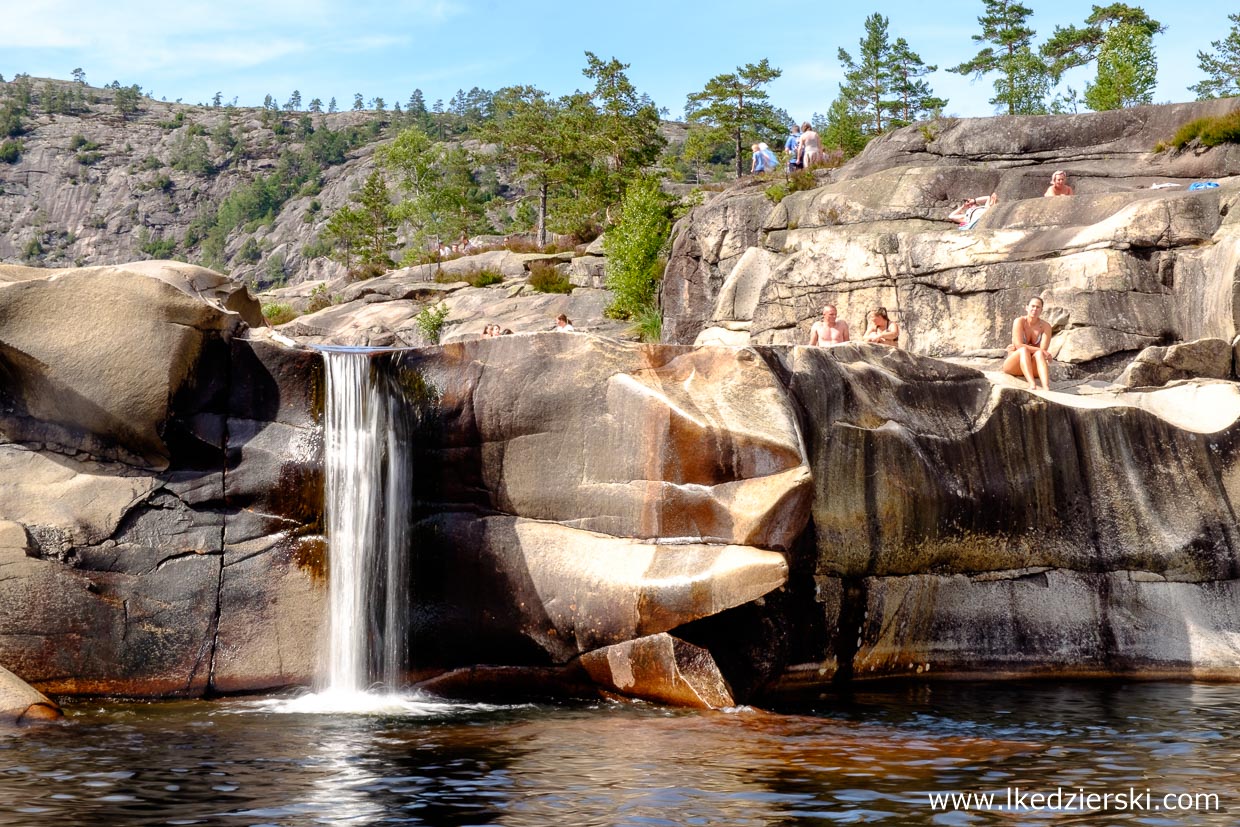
[1027, 369]
[1044, 370]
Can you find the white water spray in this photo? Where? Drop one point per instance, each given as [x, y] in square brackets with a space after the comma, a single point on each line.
[368, 488]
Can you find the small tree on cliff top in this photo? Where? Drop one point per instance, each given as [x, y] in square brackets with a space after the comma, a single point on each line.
[734, 105]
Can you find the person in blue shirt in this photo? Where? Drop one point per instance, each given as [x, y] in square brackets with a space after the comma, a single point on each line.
[790, 146]
[763, 159]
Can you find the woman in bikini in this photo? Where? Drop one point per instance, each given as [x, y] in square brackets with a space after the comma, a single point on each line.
[1029, 352]
[882, 330]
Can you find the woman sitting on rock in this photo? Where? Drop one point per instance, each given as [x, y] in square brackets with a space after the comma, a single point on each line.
[882, 330]
[1030, 348]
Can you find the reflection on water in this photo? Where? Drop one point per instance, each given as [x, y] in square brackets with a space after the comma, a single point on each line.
[870, 757]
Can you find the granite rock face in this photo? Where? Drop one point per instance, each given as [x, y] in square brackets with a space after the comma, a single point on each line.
[1121, 266]
[696, 525]
[158, 465]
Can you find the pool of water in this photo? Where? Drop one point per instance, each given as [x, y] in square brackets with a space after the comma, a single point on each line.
[874, 756]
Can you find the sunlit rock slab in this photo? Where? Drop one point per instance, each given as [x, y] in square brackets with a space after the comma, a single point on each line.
[642, 441]
[502, 590]
[20, 703]
[97, 359]
[661, 668]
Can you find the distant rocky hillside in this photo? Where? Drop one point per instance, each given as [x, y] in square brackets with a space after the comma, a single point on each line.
[90, 186]
[94, 187]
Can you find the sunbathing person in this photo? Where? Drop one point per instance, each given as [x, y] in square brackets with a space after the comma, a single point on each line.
[882, 330]
[1029, 352]
[1059, 185]
[829, 331]
[968, 213]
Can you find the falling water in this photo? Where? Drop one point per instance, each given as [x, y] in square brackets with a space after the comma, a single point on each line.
[367, 532]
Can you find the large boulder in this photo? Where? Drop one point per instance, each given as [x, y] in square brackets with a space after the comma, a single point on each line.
[20, 704]
[156, 469]
[70, 341]
[655, 443]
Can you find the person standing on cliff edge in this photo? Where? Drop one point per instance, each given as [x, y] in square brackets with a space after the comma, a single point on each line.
[829, 331]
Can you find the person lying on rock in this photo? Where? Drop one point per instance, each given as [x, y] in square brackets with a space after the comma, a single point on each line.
[968, 213]
[882, 330]
[1030, 348]
[829, 331]
[1059, 185]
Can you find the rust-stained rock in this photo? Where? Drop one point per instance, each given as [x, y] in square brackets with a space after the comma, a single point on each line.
[21, 704]
[660, 668]
[922, 466]
[650, 442]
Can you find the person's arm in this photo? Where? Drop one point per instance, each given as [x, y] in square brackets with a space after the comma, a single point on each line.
[844, 331]
[892, 333]
[1050, 192]
[958, 215]
[813, 334]
[1018, 341]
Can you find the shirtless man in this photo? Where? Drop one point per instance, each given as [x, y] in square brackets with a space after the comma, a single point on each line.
[1059, 185]
[829, 331]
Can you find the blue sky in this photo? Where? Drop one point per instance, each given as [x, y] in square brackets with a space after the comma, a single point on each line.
[334, 48]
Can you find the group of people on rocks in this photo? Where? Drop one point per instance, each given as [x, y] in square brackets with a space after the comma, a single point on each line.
[1028, 355]
[968, 213]
[803, 147]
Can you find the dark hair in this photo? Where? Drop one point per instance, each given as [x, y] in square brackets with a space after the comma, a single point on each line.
[1038, 299]
[881, 311]
[563, 318]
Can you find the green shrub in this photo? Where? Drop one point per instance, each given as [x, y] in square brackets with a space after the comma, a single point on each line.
[1209, 131]
[10, 151]
[776, 192]
[277, 313]
[87, 159]
[649, 324]
[80, 142]
[250, 252]
[431, 321]
[156, 247]
[319, 299]
[634, 248]
[477, 278]
[545, 278]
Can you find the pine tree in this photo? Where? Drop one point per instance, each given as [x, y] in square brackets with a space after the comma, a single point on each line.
[734, 105]
[331, 106]
[868, 81]
[358, 102]
[378, 227]
[1127, 70]
[1024, 77]
[915, 100]
[1222, 68]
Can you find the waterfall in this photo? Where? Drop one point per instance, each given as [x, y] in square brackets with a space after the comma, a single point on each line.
[368, 488]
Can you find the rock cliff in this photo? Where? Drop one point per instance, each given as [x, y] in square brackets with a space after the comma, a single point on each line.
[1121, 265]
[699, 525]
